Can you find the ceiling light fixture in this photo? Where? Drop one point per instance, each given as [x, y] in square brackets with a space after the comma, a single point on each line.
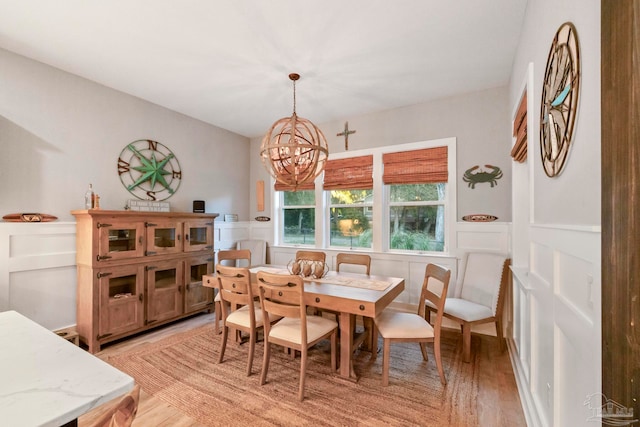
[294, 150]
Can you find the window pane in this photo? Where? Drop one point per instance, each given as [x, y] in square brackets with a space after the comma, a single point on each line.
[351, 197]
[417, 228]
[416, 192]
[299, 226]
[351, 227]
[299, 198]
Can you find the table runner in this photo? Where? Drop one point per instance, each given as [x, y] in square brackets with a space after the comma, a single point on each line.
[354, 282]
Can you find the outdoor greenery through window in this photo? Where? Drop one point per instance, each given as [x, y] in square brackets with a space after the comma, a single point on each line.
[350, 216]
[299, 211]
[417, 217]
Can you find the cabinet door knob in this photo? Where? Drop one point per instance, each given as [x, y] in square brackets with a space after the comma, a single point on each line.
[140, 297]
[186, 237]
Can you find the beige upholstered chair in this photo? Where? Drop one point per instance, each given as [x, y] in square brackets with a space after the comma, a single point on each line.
[410, 327]
[123, 413]
[258, 250]
[232, 258]
[479, 295]
[283, 295]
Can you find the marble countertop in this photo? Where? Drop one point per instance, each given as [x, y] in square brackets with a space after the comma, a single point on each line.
[46, 380]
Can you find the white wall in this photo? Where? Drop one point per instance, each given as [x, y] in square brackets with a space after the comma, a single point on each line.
[556, 345]
[60, 132]
[480, 121]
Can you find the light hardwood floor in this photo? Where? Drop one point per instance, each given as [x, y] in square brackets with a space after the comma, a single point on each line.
[498, 400]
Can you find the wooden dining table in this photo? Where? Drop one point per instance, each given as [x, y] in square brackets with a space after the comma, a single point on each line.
[349, 294]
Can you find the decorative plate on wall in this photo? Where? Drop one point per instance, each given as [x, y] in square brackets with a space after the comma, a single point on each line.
[479, 218]
[559, 104]
[149, 170]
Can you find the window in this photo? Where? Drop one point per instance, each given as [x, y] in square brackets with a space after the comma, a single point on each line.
[384, 199]
[299, 217]
[350, 217]
[416, 184]
[349, 184]
[417, 217]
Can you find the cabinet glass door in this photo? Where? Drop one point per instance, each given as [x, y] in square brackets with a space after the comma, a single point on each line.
[197, 297]
[164, 237]
[119, 240]
[121, 300]
[198, 235]
[164, 290]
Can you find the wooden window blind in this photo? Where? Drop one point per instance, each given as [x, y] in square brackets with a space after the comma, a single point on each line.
[302, 187]
[519, 150]
[429, 165]
[354, 173]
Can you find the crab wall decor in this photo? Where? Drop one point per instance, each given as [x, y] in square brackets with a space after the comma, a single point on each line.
[474, 177]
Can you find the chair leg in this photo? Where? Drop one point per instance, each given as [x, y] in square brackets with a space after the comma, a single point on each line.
[423, 348]
[223, 342]
[466, 342]
[386, 353]
[499, 335]
[334, 351]
[374, 341]
[218, 316]
[265, 361]
[252, 346]
[303, 372]
[436, 350]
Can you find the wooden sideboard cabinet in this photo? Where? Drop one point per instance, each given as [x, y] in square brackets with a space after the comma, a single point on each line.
[138, 270]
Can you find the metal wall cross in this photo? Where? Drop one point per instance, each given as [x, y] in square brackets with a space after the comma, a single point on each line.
[346, 134]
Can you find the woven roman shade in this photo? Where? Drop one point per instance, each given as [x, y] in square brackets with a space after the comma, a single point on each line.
[428, 165]
[284, 187]
[354, 173]
[519, 150]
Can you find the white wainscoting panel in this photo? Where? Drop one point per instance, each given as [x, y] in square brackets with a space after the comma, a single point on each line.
[38, 273]
[557, 342]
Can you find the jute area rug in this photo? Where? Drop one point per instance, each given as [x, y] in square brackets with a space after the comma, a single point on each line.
[182, 370]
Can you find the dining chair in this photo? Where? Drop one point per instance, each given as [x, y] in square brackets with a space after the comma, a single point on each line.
[121, 414]
[240, 311]
[363, 263]
[234, 258]
[283, 295]
[311, 256]
[396, 326]
[354, 259]
[479, 295]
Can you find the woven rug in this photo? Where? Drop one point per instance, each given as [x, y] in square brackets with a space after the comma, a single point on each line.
[182, 370]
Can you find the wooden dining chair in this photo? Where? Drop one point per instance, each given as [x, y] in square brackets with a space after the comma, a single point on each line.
[311, 256]
[240, 311]
[123, 413]
[411, 327]
[479, 295]
[283, 295]
[363, 263]
[233, 258]
[354, 259]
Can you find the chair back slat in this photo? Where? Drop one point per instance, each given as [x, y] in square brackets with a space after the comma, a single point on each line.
[311, 256]
[234, 285]
[354, 259]
[443, 276]
[282, 294]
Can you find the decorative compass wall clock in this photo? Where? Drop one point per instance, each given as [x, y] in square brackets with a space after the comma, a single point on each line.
[149, 170]
[559, 103]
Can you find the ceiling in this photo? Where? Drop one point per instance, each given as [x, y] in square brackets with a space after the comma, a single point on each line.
[226, 62]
